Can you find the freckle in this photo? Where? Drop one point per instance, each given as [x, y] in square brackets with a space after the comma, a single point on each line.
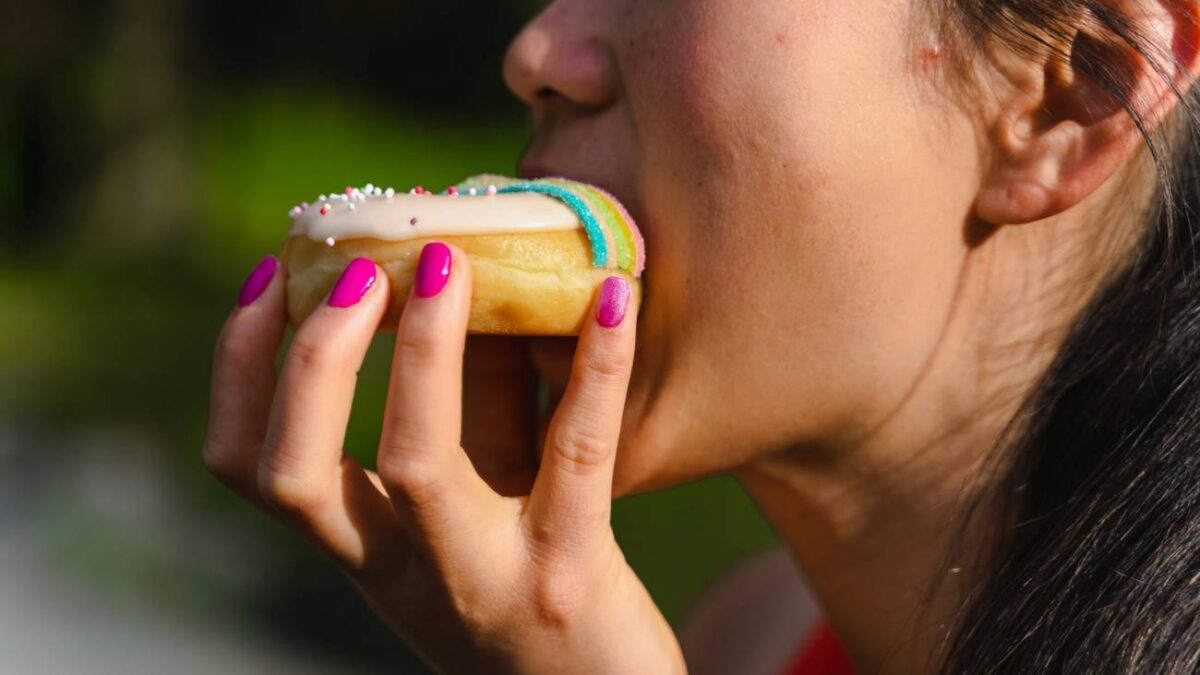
[780, 38]
[930, 55]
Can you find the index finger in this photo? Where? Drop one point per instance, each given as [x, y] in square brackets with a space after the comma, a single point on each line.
[572, 496]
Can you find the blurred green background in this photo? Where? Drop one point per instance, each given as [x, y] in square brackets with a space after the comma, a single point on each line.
[148, 154]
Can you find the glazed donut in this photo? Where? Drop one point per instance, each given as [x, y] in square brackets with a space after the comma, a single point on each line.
[538, 249]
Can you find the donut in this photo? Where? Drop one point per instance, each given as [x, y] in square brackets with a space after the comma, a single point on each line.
[538, 249]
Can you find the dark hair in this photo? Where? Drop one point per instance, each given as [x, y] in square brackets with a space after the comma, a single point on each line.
[1096, 568]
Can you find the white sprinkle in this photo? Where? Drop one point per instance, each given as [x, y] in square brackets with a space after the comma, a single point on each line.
[473, 192]
[370, 187]
[329, 241]
[412, 191]
[321, 198]
[378, 192]
[389, 193]
[351, 207]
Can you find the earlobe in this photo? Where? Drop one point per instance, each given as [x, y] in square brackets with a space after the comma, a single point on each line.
[1067, 129]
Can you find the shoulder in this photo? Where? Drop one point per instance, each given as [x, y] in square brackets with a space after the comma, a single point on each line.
[752, 620]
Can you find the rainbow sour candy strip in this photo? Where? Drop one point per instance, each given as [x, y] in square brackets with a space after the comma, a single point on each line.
[629, 231]
[591, 225]
[621, 234]
[615, 240]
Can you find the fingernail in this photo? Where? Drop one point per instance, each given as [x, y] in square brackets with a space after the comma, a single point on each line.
[614, 300]
[258, 281]
[433, 270]
[354, 283]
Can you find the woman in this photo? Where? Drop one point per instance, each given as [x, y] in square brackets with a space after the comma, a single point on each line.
[921, 276]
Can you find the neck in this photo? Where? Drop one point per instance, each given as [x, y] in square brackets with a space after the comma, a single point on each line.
[872, 539]
[878, 524]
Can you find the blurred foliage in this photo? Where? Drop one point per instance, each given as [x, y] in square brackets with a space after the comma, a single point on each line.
[148, 154]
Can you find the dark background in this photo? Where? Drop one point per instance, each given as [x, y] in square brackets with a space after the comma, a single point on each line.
[149, 150]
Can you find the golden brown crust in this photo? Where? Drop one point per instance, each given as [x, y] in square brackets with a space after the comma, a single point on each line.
[527, 284]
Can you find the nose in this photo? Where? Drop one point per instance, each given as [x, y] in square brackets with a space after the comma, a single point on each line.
[562, 57]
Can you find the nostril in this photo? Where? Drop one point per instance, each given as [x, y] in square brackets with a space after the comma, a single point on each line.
[563, 56]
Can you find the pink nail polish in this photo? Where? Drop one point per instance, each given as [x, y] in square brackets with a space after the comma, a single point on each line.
[433, 270]
[354, 283]
[614, 300]
[258, 281]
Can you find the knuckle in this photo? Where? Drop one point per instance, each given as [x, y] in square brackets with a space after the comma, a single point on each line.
[287, 494]
[308, 354]
[558, 599]
[580, 450]
[477, 612]
[413, 480]
[417, 348]
[606, 367]
[220, 460]
[236, 351]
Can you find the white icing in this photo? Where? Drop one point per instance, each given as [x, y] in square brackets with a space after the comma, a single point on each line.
[378, 216]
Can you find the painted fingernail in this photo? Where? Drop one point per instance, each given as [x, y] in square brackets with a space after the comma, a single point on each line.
[614, 300]
[258, 281]
[433, 270]
[354, 283]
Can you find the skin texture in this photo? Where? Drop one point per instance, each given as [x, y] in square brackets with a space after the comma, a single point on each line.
[855, 272]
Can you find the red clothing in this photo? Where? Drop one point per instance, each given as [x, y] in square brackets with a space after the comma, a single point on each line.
[820, 654]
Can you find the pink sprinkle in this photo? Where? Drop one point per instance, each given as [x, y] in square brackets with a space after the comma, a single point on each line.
[324, 210]
[329, 241]
[413, 222]
[452, 191]
[349, 190]
[491, 189]
[419, 190]
[303, 205]
[296, 210]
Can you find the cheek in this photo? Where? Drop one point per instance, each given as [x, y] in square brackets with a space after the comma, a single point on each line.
[807, 233]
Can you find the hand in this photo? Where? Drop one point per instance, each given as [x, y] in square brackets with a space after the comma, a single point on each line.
[474, 580]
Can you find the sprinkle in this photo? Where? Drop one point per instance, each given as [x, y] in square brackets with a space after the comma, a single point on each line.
[491, 190]
[296, 211]
[389, 193]
[418, 190]
[452, 191]
[329, 242]
[325, 210]
[351, 207]
[321, 198]
[473, 191]
[369, 187]
[349, 190]
[377, 192]
[303, 205]
[413, 222]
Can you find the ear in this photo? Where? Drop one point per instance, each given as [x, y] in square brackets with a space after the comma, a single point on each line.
[1060, 135]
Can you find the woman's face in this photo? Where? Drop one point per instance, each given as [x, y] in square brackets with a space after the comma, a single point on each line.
[804, 197]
